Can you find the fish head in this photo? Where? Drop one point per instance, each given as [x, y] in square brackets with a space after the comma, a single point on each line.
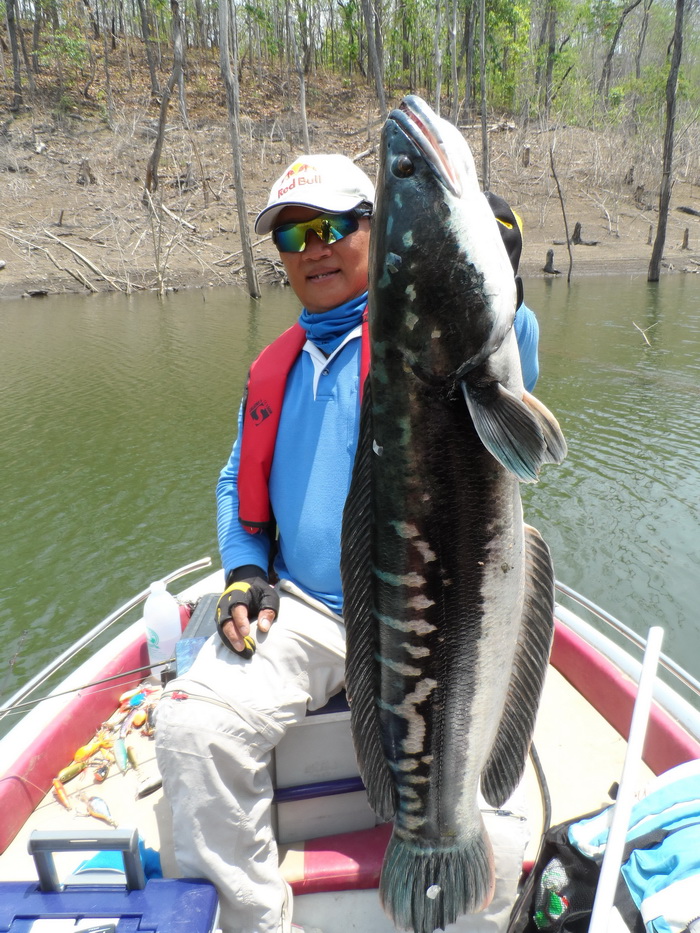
[442, 290]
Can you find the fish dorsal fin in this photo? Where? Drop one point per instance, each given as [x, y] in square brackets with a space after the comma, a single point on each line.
[506, 763]
[361, 667]
[521, 434]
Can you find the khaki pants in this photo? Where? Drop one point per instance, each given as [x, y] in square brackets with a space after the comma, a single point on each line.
[214, 748]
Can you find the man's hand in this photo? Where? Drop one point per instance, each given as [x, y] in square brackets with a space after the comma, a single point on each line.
[242, 601]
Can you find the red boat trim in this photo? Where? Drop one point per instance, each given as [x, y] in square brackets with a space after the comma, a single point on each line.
[32, 773]
[613, 694]
[26, 781]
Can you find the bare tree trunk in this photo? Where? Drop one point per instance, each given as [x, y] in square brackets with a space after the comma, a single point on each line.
[642, 39]
[201, 30]
[438, 55]
[551, 52]
[27, 64]
[302, 83]
[454, 109]
[604, 83]
[178, 55]
[12, 28]
[108, 78]
[127, 52]
[469, 27]
[148, 42]
[667, 173]
[374, 63]
[405, 39]
[540, 46]
[485, 163]
[36, 35]
[232, 95]
[92, 18]
[563, 211]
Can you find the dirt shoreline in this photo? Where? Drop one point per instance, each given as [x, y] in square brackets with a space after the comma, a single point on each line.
[72, 217]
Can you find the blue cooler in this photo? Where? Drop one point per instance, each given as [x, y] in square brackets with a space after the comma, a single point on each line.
[159, 905]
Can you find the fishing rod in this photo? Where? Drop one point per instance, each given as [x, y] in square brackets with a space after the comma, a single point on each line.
[622, 808]
[4, 710]
[43, 675]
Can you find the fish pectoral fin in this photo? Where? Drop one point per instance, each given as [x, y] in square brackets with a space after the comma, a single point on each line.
[555, 443]
[361, 669]
[506, 764]
[508, 428]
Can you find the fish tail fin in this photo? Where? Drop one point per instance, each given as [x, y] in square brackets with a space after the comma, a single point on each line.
[424, 889]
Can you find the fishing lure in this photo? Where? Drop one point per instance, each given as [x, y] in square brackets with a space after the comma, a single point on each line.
[60, 793]
[98, 808]
[120, 755]
[128, 694]
[148, 727]
[140, 717]
[92, 748]
[135, 697]
[127, 724]
[69, 772]
[131, 757]
[101, 773]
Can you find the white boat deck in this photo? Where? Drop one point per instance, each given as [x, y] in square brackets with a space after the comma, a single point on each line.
[581, 754]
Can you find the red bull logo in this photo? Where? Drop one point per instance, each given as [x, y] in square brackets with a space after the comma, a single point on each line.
[301, 173]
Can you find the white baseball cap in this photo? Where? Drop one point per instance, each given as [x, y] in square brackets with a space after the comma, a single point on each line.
[330, 183]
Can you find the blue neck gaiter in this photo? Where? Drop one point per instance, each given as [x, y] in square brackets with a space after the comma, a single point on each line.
[327, 329]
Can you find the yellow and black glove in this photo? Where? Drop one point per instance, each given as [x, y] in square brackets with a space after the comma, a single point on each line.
[255, 594]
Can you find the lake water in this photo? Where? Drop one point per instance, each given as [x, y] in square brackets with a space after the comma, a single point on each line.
[117, 413]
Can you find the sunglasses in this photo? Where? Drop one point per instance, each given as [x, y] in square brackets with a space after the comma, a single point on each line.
[291, 237]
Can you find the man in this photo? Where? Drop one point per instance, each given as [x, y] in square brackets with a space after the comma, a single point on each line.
[289, 473]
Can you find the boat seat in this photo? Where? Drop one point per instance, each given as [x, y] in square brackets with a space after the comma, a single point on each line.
[318, 789]
[344, 862]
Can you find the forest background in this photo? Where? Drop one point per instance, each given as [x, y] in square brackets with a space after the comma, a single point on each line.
[134, 134]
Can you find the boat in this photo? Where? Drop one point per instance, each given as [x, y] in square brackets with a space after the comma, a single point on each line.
[56, 861]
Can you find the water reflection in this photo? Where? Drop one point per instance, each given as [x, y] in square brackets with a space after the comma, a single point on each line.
[118, 413]
[621, 515]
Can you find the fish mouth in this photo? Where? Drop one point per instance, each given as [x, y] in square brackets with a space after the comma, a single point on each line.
[415, 120]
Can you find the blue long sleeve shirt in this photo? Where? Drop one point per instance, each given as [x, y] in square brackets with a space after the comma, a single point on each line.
[312, 467]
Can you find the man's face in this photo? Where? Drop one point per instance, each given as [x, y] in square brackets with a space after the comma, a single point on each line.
[324, 275]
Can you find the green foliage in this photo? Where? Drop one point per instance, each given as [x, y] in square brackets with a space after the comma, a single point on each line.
[68, 45]
[507, 47]
[332, 33]
[64, 104]
[644, 100]
[346, 42]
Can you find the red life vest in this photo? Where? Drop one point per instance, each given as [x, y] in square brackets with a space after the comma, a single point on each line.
[264, 395]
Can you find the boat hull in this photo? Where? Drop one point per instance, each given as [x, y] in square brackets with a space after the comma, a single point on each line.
[335, 877]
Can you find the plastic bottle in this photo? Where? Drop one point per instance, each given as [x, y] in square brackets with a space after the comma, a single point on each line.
[161, 616]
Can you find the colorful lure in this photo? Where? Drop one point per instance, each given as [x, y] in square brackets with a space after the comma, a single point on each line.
[101, 773]
[97, 807]
[140, 717]
[92, 748]
[68, 773]
[60, 793]
[120, 755]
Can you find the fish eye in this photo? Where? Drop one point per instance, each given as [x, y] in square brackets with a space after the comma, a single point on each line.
[402, 167]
